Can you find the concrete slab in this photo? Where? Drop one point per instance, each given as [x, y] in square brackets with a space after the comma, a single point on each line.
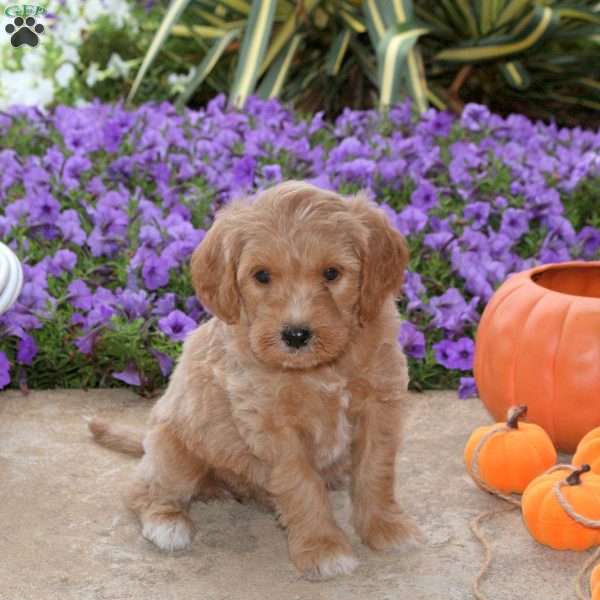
[64, 533]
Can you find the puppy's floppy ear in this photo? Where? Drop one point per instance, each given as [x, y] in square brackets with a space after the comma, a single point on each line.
[384, 258]
[214, 265]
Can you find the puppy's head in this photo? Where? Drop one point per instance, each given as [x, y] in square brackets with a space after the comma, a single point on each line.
[298, 271]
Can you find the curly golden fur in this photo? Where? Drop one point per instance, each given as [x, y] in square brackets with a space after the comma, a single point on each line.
[249, 415]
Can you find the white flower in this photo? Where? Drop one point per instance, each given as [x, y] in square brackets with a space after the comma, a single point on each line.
[93, 74]
[64, 74]
[93, 9]
[21, 87]
[70, 53]
[118, 66]
[33, 62]
[179, 81]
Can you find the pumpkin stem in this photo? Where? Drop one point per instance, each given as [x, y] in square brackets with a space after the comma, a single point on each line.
[514, 414]
[575, 477]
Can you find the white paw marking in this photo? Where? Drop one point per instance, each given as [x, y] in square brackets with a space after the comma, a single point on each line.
[342, 564]
[169, 535]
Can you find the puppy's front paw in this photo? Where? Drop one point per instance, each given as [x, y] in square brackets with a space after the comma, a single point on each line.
[323, 557]
[384, 529]
[169, 533]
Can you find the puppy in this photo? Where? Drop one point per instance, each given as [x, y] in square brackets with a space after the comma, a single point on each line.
[297, 381]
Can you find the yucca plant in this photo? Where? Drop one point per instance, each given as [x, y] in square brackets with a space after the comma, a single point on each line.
[325, 54]
[513, 49]
[258, 46]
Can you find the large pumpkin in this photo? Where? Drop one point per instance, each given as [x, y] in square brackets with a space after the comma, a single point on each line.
[538, 343]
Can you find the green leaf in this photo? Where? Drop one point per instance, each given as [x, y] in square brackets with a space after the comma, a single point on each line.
[258, 32]
[468, 15]
[336, 53]
[392, 58]
[542, 21]
[204, 31]
[516, 74]
[284, 35]
[579, 14]
[515, 9]
[206, 66]
[417, 83]
[353, 22]
[241, 6]
[173, 13]
[375, 18]
[273, 81]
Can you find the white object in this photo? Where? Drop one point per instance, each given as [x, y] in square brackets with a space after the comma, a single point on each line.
[11, 278]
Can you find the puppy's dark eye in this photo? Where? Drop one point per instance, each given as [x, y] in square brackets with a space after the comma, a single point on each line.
[262, 276]
[331, 273]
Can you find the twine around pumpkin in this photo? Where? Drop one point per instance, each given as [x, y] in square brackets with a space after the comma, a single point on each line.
[516, 503]
[476, 522]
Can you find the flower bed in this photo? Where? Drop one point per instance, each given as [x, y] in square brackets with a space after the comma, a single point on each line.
[104, 206]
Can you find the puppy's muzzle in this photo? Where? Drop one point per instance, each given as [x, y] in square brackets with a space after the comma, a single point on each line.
[296, 337]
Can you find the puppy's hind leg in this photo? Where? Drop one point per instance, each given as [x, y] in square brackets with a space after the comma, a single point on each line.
[167, 479]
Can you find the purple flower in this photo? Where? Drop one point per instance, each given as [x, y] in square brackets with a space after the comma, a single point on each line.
[455, 355]
[515, 223]
[63, 261]
[69, 224]
[589, 238]
[451, 312]
[26, 350]
[272, 173]
[80, 295]
[425, 196]
[74, 166]
[43, 208]
[4, 371]
[155, 272]
[412, 340]
[177, 325]
[467, 388]
[478, 212]
[130, 375]
[150, 236]
[164, 305]
[134, 305]
[165, 362]
[86, 342]
[411, 220]
[475, 117]
[243, 172]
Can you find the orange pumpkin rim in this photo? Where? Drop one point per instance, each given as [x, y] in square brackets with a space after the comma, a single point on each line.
[536, 272]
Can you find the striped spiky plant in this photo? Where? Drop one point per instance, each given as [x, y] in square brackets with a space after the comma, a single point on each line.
[317, 52]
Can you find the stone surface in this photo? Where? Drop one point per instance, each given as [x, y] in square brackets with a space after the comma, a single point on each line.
[64, 533]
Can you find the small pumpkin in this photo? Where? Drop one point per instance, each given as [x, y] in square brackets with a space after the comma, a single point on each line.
[595, 582]
[588, 451]
[512, 455]
[548, 522]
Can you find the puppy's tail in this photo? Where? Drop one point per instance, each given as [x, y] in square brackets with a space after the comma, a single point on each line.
[121, 438]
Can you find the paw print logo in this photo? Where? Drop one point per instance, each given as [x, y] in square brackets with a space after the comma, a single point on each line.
[24, 31]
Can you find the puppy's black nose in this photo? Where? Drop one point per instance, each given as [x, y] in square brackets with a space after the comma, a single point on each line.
[296, 337]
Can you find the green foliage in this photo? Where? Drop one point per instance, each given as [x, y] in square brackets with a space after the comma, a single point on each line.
[535, 55]
[526, 55]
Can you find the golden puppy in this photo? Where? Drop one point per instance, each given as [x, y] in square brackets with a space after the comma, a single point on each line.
[297, 379]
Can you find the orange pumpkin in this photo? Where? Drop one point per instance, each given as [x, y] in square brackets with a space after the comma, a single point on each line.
[509, 459]
[588, 451]
[538, 343]
[549, 523]
[595, 582]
